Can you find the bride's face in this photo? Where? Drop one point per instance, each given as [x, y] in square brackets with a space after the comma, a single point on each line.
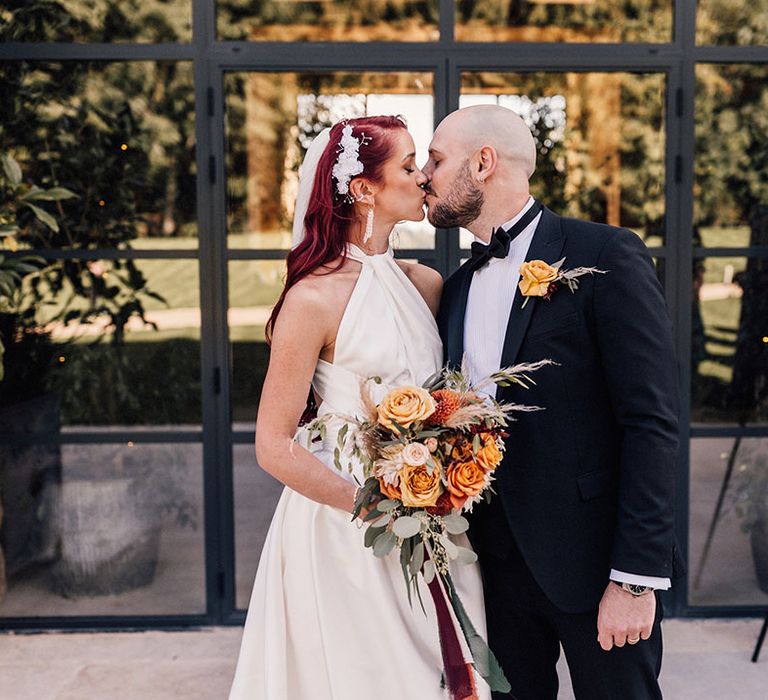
[401, 197]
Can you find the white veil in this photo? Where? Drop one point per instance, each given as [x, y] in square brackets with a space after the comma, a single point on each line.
[307, 180]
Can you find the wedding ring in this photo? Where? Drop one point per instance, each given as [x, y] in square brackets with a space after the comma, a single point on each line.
[633, 641]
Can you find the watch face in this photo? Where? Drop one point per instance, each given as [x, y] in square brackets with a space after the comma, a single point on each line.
[636, 589]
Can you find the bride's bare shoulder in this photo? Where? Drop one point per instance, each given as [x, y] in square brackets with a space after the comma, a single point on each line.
[428, 281]
[318, 291]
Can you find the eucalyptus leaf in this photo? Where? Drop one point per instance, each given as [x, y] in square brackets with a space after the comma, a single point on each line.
[384, 544]
[387, 505]
[406, 526]
[417, 558]
[429, 570]
[372, 533]
[450, 548]
[465, 556]
[455, 523]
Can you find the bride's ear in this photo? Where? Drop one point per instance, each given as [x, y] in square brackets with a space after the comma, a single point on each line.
[362, 191]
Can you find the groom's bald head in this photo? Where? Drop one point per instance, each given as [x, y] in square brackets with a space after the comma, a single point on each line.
[480, 161]
[472, 128]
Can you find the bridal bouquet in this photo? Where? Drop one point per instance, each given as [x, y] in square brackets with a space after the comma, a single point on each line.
[429, 454]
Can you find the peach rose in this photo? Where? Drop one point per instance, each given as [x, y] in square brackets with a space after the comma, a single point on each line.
[465, 480]
[415, 454]
[431, 444]
[405, 405]
[536, 276]
[489, 455]
[418, 487]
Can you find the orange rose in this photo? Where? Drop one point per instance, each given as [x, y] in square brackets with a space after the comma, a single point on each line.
[536, 276]
[419, 488]
[404, 406]
[489, 455]
[389, 490]
[465, 479]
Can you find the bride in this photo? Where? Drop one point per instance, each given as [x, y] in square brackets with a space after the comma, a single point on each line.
[328, 620]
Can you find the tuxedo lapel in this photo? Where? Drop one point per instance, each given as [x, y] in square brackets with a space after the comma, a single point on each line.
[547, 245]
[456, 320]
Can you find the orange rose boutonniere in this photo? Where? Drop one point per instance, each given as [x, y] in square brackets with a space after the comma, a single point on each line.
[540, 279]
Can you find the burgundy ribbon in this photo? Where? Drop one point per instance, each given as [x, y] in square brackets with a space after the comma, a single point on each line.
[458, 673]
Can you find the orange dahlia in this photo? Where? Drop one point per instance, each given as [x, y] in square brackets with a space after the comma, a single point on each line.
[446, 404]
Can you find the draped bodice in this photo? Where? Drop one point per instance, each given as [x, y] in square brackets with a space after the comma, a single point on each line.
[387, 331]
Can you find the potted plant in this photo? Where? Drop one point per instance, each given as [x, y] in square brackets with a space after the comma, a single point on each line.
[749, 500]
[28, 473]
[110, 514]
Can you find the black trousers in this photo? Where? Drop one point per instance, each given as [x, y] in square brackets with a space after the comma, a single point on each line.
[525, 631]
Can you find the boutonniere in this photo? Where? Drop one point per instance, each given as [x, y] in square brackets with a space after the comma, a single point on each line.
[539, 279]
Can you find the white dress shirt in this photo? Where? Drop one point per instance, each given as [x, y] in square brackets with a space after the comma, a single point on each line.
[491, 295]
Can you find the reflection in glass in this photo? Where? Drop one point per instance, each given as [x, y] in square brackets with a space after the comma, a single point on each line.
[583, 21]
[121, 136]
[103, 530]
[272, 118]
[105, 21]
[340, 20]
[254, 286]
[731, 22]
[115, 342]
[728, 548]
[730, 191]
[599, 158]
[729, 344]
[255, 497]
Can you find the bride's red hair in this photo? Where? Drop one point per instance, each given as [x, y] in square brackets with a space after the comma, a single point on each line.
[329, 214]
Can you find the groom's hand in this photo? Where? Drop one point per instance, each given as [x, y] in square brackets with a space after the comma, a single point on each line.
[624, 618]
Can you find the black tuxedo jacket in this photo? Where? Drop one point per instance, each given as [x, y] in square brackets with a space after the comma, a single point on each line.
[587, 484]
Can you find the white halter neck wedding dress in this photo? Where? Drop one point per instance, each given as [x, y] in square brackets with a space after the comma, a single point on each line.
[328, 620]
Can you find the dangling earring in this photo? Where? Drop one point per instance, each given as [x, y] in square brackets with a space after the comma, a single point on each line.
[368, 226]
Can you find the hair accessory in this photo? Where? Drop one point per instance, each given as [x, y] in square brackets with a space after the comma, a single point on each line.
[348, 160]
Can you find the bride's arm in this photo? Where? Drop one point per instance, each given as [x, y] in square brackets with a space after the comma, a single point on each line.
[305, 325]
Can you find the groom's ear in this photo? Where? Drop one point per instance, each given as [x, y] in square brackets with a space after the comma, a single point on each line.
[487, 160]
[362, 190]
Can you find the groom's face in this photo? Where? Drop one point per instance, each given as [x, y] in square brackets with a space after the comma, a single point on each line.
[453, 196]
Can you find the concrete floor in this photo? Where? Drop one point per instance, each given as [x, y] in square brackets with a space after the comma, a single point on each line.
[704, 660]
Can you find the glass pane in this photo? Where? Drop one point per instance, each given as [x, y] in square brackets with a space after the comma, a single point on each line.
[254, 286]
[256, 494]
[584, 21]
[77, 335]
[600, 160]
[336, 20]
[731, 191]
[729, 344]
[151, 21]
[102, 529]
[729, 22]
[731, 566]
[120, 136]
[272, 118]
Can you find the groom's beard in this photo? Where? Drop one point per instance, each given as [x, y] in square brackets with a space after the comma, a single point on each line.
[462, 205]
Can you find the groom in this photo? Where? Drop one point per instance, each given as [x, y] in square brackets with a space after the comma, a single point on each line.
[580, 536]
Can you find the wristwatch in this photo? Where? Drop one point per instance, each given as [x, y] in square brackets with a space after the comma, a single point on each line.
[634, 588]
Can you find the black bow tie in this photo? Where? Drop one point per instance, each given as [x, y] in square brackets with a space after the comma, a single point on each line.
[498, 247]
